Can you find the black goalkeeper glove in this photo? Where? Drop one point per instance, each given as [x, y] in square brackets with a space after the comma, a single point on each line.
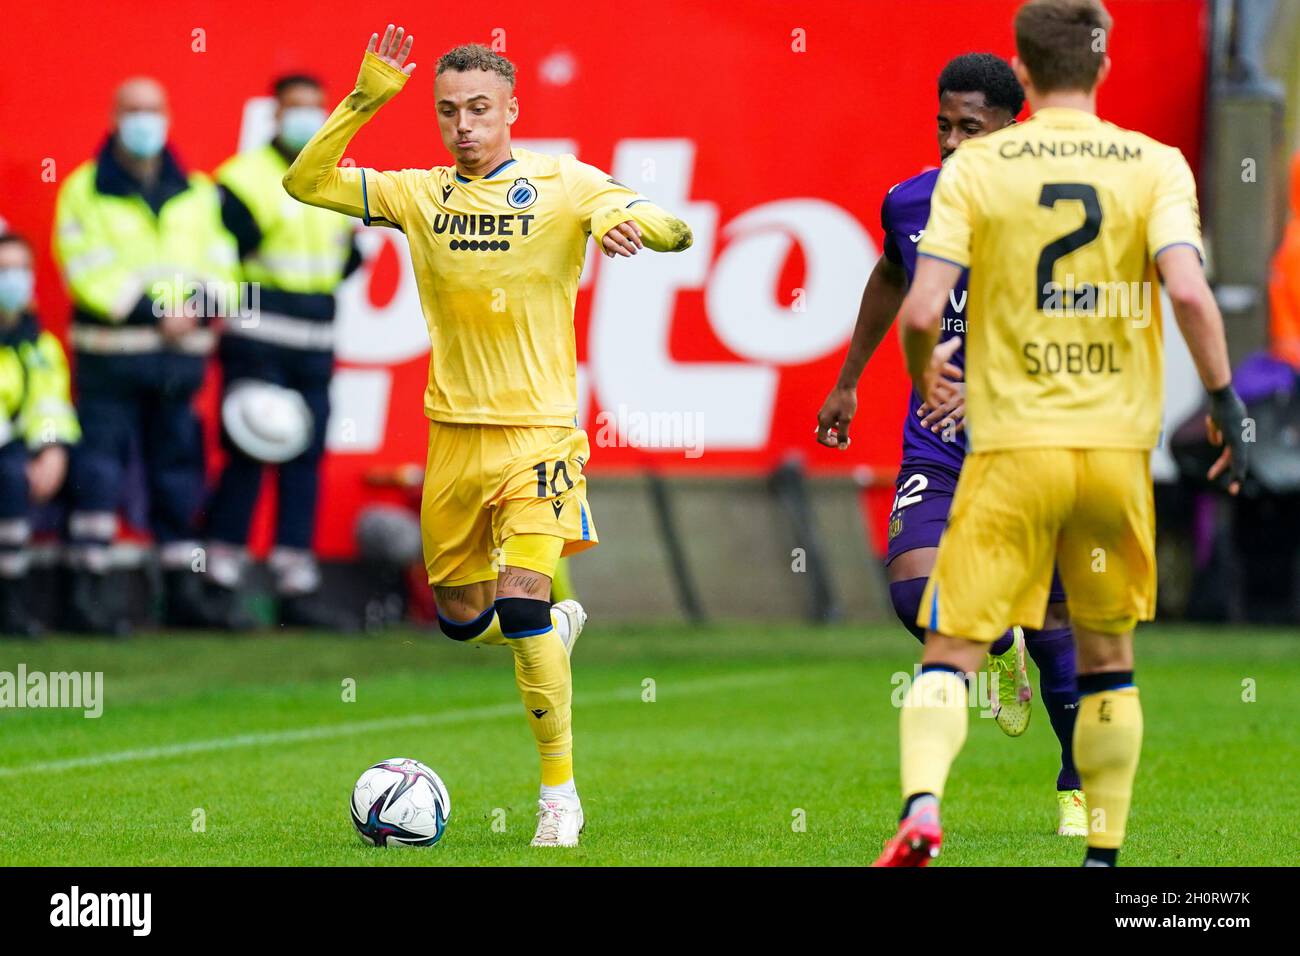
[1228, 419]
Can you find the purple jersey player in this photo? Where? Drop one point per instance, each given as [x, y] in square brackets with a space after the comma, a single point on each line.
[978, 93]
[934, 441]
[903, 215]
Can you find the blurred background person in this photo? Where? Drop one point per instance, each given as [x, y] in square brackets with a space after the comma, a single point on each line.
[37, 424]
[142, 251]
[1284, 282]
[297, 256]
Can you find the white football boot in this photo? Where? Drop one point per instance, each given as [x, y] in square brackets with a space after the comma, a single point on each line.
[572, 619]
[558, 823]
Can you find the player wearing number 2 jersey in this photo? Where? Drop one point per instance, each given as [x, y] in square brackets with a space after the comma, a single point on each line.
[978, 93]
[1065, 224]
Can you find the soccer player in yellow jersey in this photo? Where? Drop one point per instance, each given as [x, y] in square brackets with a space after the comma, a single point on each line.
[1067, 223]
[497, 243]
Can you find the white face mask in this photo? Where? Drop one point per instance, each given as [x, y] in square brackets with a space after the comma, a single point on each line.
[298, 124]
[142, 133]
[16, 286]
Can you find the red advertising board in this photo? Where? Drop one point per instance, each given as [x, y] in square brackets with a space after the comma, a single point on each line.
[773, 128]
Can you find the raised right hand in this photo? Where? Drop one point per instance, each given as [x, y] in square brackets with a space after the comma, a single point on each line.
[393, 50]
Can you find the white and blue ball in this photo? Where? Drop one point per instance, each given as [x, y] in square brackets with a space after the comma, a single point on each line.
[400, 802]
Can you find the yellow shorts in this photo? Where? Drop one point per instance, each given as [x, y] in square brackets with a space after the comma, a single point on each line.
[1015, 512]
[486, 484]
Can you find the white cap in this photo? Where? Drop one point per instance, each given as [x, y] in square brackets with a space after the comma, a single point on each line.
[265, 421]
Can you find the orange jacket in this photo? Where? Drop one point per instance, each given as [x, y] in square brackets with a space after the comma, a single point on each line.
[1284, 284]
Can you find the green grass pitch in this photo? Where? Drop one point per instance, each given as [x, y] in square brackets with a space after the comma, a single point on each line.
[752, 730]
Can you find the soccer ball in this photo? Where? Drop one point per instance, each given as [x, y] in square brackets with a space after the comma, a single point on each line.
[400, 802]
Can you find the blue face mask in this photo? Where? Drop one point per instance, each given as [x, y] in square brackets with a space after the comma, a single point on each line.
[142, 133]
[298, 124]
[15, 289]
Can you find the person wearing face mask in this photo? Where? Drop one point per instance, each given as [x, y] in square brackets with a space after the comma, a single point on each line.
[141, 247]
[297, 255]
[37, 424]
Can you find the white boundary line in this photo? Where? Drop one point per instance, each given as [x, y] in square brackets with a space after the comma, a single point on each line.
[304, 734]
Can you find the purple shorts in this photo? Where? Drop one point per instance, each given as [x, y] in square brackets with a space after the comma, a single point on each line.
[922, 499]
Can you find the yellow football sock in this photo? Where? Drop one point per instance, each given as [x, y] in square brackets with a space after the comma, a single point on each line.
[932, 729]
[492, 635]
[1107, 741]
[466, 632]
[546, 686]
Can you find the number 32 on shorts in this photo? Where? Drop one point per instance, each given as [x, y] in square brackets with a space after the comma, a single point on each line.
[910, 493]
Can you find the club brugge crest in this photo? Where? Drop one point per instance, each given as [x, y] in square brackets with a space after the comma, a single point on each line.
[522, 194]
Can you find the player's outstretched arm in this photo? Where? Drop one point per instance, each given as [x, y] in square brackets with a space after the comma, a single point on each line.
[620, 219]
[881, 300]
[315, 176]
[623, 231]
[1201, 324]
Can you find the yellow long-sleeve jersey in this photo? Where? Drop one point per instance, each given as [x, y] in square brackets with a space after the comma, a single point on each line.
[497, 258]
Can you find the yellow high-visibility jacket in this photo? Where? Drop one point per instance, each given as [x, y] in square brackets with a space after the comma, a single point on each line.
[35, 395]
[299, 248]
[127, 257]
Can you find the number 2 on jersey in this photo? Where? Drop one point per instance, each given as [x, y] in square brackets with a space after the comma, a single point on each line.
[1064, 245]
